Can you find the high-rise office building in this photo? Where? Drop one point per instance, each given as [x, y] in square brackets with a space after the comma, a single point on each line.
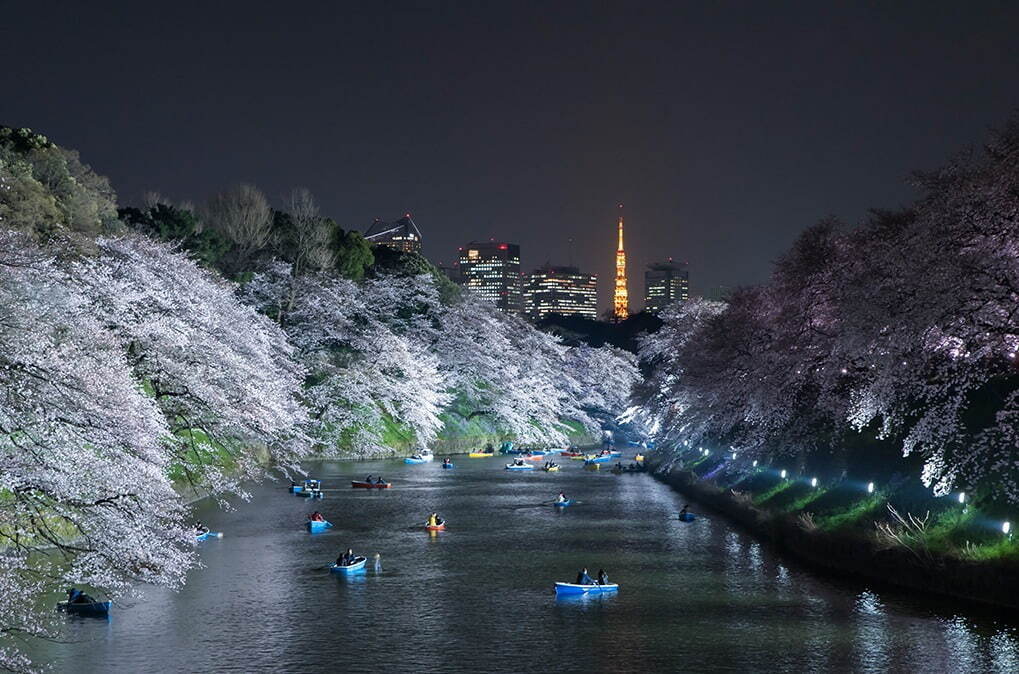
[402, 234]
[492, 271]
[665, 283]
[560, 290]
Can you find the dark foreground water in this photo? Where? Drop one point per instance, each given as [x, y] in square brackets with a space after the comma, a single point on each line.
[478, 597]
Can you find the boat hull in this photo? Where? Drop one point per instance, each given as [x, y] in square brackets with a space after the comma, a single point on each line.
[369, 485]
[480, 455]
[97, 609]
[563, 504]
[436, 527]
[510, 466]
[447, 466]
[574, 589]
[314, 527]
[207, 535]
[688, 517]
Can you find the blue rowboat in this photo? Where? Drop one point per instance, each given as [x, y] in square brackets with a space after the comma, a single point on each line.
[539, 452]
[573, 588]
[358, 565]
[526, 466]
[599, 459]
[314, 527]
[447, 465]
[414, 459]
[317, 493]
[208, 534]
[615, 453]
[97, 609]
[687, 517]
[563, 504]
[296, 489]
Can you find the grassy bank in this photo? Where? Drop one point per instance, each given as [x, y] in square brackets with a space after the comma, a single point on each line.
[893, 531]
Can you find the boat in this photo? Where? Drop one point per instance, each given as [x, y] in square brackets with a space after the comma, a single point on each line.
[638, 458]
[598, 459]
[551, 469]
[315, 527]
[312, 493]
[526, 466]
[563, 504]
[358, 565]
[591, 466]
[361, 484]
[533, 457]
[447, 465]
[208, 534]
[97, 609]
[573, 588]
[578, 457]
[441, 526]
[615, 452]
[540, 452]
[480, 455]
[571, 454]
[295, 489]
[687, 517]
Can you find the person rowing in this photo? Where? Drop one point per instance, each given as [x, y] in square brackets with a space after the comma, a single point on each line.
[434, 520]
[76, 596]
[561, 498]
[347, 558]
[368, 479]
[685, 511]
[447, 462]
[380, 480]
[603, 578]
[583, 578]
[201, 529]
[518, 462]
[316, 517]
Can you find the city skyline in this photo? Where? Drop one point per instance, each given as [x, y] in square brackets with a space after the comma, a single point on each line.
[478, 138]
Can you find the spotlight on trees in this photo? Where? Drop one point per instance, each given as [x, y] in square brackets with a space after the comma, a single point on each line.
[734, 456]
[962, 497]
[813, 482]
[870, 487]
[783, 474]
[755, 463]
[1006, 527]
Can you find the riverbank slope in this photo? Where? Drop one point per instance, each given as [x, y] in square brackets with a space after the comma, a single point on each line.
[855, 548]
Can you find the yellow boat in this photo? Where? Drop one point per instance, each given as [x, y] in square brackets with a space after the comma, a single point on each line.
[552, 469]
[638, 458]
[592, 466]
[480, 455]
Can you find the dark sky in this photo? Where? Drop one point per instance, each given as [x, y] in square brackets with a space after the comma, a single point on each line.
[724, 127]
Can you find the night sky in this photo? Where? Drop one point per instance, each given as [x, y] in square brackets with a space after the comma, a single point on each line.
[725, 128]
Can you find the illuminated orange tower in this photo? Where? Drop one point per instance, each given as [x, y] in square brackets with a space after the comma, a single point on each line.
[620, 300]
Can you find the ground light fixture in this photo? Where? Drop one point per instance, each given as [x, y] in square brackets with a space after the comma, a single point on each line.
[783, 474]
[755, 463]
[962, 497]
[1006, 527]
[734, 456]
[870, 487]
[813, 482]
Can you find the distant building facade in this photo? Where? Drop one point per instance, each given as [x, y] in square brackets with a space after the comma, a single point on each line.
[560, 290]
[402, 234]
[665, 283]
[491, 270]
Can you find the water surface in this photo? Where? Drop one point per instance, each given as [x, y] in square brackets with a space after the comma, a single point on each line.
[698, 597]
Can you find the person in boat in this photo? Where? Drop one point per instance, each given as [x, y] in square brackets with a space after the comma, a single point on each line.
[603, 578]
[201, 529]
[368, 479]
[447, 462]
[76, 596]
[380, 480]
[434, 520]
[489, 449]
[685, 511]
[561, 498]
[518, 462]
[316, 517]
[346, 559]
[583, 578]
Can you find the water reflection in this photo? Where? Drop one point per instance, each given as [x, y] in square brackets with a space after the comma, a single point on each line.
[693, 597]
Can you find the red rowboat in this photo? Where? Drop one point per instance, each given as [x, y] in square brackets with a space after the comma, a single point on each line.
[370, 485]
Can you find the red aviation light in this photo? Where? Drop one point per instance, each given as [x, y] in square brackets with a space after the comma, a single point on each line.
[503, 246]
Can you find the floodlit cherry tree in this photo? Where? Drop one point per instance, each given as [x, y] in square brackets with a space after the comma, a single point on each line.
[85, 495]
[904, 328]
